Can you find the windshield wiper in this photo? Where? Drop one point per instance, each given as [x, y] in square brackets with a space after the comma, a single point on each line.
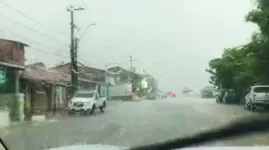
[247, 126]
[3, 144]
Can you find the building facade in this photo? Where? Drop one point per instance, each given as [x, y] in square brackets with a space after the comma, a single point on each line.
[90, 78]
[12, 60]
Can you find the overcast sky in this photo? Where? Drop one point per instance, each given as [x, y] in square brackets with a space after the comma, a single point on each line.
[171, 39]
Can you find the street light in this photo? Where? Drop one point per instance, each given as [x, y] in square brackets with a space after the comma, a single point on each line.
[91, 24]
[106, 70]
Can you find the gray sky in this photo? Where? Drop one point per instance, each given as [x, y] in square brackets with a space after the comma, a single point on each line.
[171, 39]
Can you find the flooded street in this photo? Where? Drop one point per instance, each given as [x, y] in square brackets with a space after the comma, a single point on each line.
[132, 123]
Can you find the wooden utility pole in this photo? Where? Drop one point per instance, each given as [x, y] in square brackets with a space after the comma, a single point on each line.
[132, 69]
[76, 60]
[73, 48]
[132, 74]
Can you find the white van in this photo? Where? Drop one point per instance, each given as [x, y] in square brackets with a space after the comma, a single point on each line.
[86, 102]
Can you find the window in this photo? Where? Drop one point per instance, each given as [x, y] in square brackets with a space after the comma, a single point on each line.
[261, 89]
[84, 95]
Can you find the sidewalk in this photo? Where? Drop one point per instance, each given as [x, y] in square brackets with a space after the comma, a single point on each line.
[35, 121]
[4, 116]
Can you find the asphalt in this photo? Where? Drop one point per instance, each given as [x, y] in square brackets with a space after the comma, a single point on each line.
[133, 123]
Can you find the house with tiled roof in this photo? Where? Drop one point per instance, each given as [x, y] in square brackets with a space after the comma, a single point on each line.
[45, 89]
[89, 77]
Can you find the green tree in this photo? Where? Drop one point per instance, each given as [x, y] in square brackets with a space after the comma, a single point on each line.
[231, 71]
[240, 67]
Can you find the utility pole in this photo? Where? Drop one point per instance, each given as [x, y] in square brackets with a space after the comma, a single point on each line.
[132, 69]
[132, 74]
[73, 48]
[131, 61]
[76, 60]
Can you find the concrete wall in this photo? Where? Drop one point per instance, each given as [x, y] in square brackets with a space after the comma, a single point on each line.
[103, 90]
[13, 52]
[11, 108]
[121, 92]
[4, 109]
[40, 102]
[4, 116]
[123, 89]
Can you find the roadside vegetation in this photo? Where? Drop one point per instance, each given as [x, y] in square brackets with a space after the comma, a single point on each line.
[240, 67]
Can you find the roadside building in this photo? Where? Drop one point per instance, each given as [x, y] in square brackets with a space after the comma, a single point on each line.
[12, 60]
[127, 83]
[45, 90]
[90, 78]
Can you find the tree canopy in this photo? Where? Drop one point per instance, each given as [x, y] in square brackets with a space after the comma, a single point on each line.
[246, 65]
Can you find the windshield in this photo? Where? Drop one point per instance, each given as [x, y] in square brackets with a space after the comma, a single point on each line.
[84, 95]
[261, 89]
[130, 72]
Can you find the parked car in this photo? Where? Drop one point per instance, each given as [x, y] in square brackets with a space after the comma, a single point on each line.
[228, 96]
[207, 94]
[86, 102]
[216, 93]
[231, 96]
[219, 97]
[257, 96]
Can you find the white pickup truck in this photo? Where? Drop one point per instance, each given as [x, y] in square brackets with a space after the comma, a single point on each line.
[86, 102]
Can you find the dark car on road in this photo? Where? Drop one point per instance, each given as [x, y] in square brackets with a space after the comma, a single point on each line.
[228, 96]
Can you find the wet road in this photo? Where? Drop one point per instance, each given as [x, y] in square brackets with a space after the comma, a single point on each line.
[133, 123]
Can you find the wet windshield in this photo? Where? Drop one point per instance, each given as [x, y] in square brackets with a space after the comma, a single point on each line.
[159, 69]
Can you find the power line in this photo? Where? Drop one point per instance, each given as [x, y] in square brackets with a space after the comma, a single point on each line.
[57, 53]
[21, 13]
[38, 22]
[26, 16]
[49, 46]
[60, 55]
[44, 51]
[29, 28]
[28, 39]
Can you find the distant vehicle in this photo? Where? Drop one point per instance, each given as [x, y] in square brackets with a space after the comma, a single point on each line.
[164, 95]
[151, 96]
[257, 96]
[207, 94]
[154, 95]
[172, 94]
[186, 90]
[169, 94]
[86, 102]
